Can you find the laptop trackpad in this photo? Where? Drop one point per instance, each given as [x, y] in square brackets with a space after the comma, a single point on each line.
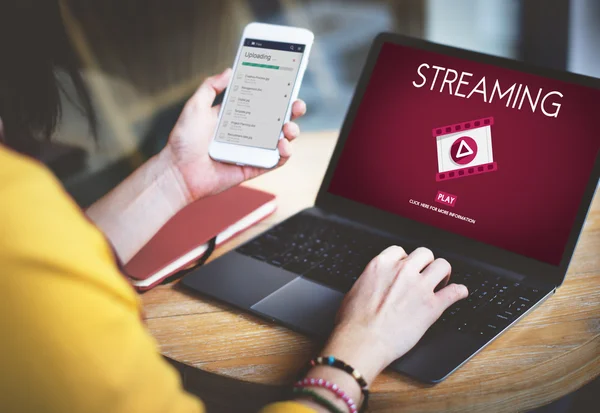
[304, 306]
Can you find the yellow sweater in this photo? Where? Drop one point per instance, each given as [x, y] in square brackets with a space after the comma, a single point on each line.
[71, 336]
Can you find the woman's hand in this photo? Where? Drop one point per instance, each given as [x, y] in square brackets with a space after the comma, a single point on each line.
[390, 307]
[188, 143]
[384, 315]
[182, 172]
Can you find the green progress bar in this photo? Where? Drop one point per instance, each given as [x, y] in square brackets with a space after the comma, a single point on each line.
[260, 65]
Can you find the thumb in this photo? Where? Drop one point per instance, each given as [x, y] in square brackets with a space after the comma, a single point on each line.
[211, 87]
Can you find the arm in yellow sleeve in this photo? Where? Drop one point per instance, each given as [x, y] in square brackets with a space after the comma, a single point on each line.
[71, 338]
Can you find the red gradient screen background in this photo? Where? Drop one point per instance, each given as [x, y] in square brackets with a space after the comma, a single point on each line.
[528, 206]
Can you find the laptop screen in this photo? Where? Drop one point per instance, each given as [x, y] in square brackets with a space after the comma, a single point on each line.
[489, 153]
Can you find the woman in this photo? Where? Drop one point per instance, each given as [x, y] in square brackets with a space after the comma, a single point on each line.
[71, 332]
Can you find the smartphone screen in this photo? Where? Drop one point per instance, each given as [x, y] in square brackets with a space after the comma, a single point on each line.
[260, 93]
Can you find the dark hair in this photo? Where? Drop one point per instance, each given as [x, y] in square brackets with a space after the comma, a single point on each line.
[34, 45]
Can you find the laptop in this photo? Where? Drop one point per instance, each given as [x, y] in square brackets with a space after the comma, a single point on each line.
[489, 162]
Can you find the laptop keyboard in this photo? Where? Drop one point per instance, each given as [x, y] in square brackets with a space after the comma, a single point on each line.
[335, 255]
[493, 303]
[324, 251]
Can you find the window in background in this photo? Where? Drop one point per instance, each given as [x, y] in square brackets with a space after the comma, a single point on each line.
[343, 35]
[584, 37]
[488, 26]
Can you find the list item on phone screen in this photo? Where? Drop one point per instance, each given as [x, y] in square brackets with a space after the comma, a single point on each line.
[260, 93]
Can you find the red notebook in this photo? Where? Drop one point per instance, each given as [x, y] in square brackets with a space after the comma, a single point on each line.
[184, 239]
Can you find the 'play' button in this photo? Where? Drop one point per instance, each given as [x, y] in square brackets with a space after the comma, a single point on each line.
[463, 150]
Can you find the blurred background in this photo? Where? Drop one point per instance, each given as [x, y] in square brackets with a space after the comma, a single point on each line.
[143, 58]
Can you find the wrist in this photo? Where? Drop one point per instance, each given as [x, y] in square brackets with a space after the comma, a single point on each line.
[174, 186]
[343, 382]
[361, 354]
[132, 213]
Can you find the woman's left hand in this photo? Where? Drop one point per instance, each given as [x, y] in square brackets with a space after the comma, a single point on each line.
[187, 148]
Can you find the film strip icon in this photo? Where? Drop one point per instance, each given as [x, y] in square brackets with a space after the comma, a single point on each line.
[464, 149]
[459, 173]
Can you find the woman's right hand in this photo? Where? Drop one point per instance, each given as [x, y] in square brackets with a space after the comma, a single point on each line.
[390, 307]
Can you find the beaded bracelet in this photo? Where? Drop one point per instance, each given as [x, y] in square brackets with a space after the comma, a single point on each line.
[339, 364]
[332, 387]
[317, 398]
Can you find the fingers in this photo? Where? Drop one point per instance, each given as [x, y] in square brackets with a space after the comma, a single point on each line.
[385, 266]
[298, 109]
[437, 272]
[394, 253]
[419, 259]
[285, 149]
[210, 88]
[378, 277]
[291, 131]
[389, 259]
[451, 294]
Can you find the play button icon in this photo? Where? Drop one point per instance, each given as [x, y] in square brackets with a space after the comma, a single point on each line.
[463, 150]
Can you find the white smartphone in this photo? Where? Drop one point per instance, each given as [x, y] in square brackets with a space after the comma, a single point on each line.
[267, 74]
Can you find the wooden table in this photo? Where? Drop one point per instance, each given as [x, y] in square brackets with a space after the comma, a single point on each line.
[233, 356]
